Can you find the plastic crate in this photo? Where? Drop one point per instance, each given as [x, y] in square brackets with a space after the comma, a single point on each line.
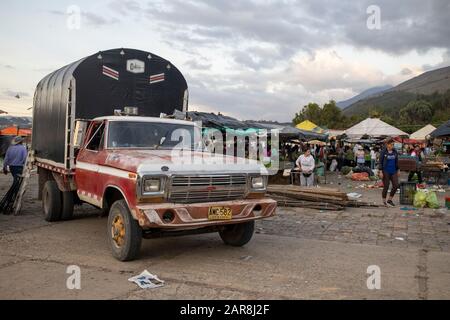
[407, 163]
[407, 191]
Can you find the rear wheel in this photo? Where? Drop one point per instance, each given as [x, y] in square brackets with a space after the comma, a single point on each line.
[124, 232]
[68, 199]
[51, 201]
[237, 234]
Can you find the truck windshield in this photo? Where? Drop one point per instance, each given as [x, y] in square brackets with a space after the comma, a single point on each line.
[153, 135]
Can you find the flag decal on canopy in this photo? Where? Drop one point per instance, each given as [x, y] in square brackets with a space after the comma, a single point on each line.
[111, 73]
[157, 78]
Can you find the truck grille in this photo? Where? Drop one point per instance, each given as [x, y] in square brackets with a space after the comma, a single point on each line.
[187, 189]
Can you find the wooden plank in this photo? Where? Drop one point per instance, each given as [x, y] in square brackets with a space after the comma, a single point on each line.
[24, 184]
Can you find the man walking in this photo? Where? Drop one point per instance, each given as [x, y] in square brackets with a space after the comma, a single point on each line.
[389, 172]
[15, 158]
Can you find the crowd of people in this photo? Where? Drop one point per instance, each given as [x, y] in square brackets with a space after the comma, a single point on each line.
[381, 159]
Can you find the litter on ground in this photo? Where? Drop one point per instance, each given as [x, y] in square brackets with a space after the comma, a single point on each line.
[146, 280]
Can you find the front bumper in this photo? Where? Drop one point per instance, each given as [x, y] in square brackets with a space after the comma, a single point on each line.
[195, 215]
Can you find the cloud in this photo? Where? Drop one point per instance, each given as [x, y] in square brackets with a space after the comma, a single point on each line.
[310, 25]
[278, 94]
[90, 18]
[13, 94]
[444, 63]
[406, 71]
[97, 20]
[197, 65]
[125, 7]
[7, 66]
[266, 59]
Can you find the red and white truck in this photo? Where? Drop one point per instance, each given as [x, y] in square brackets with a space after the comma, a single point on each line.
[132, 167]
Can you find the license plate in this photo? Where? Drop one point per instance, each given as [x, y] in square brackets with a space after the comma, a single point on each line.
[220, 213]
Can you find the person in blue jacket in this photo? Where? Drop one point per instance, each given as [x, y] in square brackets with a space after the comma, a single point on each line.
[388, 167]
[15, 158]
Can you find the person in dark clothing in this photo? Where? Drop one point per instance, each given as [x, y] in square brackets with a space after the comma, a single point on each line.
[15, 158]
[340, 158]
[417, 153]
[389, 172]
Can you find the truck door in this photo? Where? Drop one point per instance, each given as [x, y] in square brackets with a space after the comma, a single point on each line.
[88, 164]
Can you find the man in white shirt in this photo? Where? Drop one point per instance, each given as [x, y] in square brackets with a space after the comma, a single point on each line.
[306, 164]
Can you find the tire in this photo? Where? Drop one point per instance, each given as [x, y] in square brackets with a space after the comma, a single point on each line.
[239, 234]
[68, 202]
[51, 201]
[124, 232]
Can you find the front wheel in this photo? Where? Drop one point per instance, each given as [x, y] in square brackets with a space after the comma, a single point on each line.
[124, 232]
[237, 234]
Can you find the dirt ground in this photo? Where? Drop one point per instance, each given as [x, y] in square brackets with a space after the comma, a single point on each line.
[298, 254]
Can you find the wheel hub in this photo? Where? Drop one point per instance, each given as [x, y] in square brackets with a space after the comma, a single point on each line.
[118, 231]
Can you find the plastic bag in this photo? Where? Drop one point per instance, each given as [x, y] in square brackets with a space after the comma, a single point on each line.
[432, 200]
[420, 199]
[333, 165]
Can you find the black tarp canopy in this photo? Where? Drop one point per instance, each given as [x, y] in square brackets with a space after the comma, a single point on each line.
[441, 131]
[288, 130]
[219, 121]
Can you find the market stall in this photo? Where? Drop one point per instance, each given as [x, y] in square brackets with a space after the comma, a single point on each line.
[373, 128]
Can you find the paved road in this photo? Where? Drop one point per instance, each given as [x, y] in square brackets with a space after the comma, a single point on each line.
[298, 254]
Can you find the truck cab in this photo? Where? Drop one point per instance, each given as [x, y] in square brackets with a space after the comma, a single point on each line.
[153, 177]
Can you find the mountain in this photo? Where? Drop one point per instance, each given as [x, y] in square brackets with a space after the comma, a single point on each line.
[23, 122]
[365, 94]
[391, 100]
[428, 82]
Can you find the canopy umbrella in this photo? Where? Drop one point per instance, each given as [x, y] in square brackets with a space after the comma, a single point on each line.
[373, 127]
[423, 133]
[309, 126]
[320, 143]
[441, 131]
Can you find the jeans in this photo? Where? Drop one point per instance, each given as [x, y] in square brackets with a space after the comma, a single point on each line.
[389, 178]
[16, 171]
[307, 181]
[340, 162]
[372, 164]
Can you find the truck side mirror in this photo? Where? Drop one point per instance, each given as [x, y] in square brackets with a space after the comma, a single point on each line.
[79, 133]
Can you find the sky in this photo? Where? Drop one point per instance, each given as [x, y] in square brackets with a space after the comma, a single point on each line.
[248, 59]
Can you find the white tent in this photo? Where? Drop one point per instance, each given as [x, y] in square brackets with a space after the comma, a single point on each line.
[423, 133]
[373, 127]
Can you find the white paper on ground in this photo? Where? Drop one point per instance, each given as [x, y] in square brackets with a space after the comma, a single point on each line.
[146, 280]
[354, 195]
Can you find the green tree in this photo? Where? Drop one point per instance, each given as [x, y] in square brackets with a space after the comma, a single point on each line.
[328, 116]
[417, 111]
[311, 112]
[331, 116]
